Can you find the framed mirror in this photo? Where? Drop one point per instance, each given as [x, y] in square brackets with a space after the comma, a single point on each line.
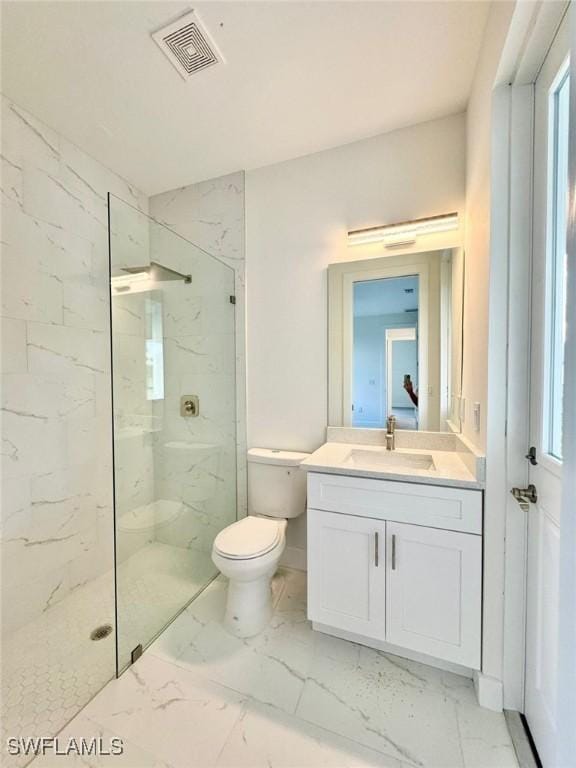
[395, 341]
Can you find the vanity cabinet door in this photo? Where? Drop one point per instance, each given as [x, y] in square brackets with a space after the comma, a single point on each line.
[434, 588]
[347, 572]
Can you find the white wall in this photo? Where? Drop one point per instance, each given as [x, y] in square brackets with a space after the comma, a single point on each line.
[477, 233]
[297, 216]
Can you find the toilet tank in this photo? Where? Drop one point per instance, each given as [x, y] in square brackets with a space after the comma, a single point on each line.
[276, 484]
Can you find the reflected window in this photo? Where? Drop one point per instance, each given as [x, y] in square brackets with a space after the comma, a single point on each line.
[154, 348]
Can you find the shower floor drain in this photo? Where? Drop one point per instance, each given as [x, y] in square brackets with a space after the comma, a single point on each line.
[101, 632]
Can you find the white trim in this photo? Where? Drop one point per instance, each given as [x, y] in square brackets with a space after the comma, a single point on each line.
[496, 479]
[518, 391]
[489, 691]
[567, 628]
[531, 31]
[446, 314]
[532, 28]
[395, 650]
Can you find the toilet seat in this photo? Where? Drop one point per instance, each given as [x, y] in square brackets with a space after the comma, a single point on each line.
[249, 538]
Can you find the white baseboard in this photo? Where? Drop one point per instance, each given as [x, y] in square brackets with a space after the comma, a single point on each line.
[394, 650]
[489, 691]
[294, 557]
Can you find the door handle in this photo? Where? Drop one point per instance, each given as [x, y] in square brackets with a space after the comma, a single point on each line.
[376, 548]
[393, 551]
[526, 494]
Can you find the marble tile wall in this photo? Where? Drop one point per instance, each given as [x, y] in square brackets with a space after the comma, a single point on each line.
[211, 215]
[56, 535]
[134, 425]
[56, 409]
[195, 458]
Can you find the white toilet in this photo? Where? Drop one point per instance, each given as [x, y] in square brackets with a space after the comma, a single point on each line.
[248, 551]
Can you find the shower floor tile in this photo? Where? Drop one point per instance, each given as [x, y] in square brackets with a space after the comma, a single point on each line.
[51, 668]
[153, 585]
[289, 698]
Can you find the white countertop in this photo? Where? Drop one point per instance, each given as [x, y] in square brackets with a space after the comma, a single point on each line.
[345, 458]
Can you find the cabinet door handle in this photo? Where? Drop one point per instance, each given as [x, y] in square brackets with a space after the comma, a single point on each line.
[376, 553]
[393, 551]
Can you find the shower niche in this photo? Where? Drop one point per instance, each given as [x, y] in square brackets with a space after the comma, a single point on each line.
[173, 339]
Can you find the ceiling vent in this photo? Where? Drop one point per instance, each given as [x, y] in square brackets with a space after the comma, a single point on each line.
[188, 45]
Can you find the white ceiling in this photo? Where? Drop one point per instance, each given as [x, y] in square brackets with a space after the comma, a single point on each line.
[299, 77]
[386, 297]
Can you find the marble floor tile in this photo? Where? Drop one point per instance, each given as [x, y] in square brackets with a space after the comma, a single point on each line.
[167, 711]
[83, 728]
[264, 737]
[51, 668]
[270, 668]
[153, 585]
[485, 737]
[209, 605]
[370, 704]
[289, 698]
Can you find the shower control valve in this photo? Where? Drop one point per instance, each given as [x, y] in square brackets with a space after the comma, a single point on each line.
[189, 405]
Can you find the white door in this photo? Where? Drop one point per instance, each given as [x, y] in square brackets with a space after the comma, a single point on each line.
[346, 572]
[434, 592]
[547, 360]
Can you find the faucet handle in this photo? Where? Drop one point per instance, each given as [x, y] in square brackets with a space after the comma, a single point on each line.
[391, 423]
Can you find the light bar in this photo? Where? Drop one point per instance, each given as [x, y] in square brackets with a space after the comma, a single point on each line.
[404, 233]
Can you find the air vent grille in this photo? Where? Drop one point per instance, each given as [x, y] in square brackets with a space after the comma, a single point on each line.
[188, 45]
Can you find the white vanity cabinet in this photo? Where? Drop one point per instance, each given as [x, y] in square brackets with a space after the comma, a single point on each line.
[433, 592]
[382, 569]
[346, 579]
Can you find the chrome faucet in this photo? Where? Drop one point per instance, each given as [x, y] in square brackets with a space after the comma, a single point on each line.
[390, 433]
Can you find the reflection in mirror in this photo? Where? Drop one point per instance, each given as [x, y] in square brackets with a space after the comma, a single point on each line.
[385, 352]
[396, 341]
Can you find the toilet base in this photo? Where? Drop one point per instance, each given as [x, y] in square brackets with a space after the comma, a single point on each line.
[248, 606]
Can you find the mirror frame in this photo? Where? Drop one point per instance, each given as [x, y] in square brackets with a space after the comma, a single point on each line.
[341, 277]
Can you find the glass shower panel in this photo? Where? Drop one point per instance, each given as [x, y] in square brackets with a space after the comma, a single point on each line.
[174, 398]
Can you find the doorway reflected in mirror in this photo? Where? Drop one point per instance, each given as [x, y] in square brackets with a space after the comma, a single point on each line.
[385, 364]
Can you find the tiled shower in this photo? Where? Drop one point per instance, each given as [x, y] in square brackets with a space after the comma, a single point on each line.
[70, 564]
[173, 374]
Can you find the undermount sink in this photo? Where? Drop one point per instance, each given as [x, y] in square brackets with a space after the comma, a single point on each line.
[381, 458]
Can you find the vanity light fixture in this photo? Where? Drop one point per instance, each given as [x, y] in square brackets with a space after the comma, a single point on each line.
[404, 233]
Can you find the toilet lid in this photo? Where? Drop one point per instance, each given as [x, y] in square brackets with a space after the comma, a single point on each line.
[250, 537]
